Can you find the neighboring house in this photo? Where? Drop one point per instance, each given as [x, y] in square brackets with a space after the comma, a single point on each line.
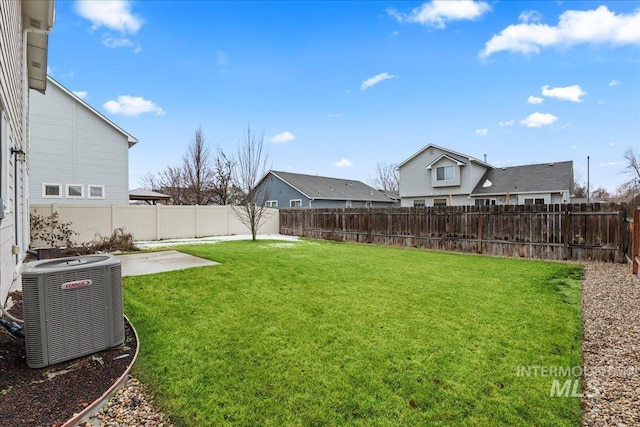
[286, 189]
[436, 176]
[77, 154]
[24, 29]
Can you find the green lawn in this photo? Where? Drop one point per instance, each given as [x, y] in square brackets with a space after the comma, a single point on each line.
[321, 333]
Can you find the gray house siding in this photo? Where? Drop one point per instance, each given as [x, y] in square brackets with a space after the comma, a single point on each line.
[273, 188]
[71, 145]
[418, 183]
[317, 192]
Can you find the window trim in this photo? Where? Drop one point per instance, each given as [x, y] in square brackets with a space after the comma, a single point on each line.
[440, 204]
[89, 196]
[444, 173]
[271, 204]
[68, 186]
[51, 184]
[419, 203]
[298, 201]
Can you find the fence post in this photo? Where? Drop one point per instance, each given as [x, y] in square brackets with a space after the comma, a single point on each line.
[158, 221]
[197, 214]
[635, 252]
[565, 233]
[479, 248]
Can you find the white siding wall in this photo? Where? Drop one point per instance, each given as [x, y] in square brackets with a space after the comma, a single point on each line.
[11, 104]
[70, 144]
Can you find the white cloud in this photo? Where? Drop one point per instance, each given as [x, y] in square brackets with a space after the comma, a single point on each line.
[570, 93]
[535, 100]
[482, 132]
[115, 42]
[537, 120]
[601, 102]
[506, 123]
[615, 82]
[598, 26]
[610, 164]
[82, 94]
[343, 163]
[282, 137]
[113, 14]
[438, 13]
[375, 80]
[132, 106]
[530, 16]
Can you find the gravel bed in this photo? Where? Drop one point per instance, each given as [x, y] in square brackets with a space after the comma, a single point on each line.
[130, 406]
[611, 346]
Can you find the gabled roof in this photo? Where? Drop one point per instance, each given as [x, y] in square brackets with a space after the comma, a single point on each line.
[453, 154]
[131, 139]
[444, 156]
[326, 188]
[543, 177]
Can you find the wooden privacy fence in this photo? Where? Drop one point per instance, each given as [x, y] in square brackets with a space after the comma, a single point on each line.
[555, 232]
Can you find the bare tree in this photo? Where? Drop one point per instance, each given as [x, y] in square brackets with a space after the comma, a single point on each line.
[632, 169]
[197, 171]
[224, 190]
[386, 177]
[579, 186]
[170, 182]
[600, 193]
[251, 166]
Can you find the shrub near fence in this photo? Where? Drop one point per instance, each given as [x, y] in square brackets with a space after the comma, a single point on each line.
[554, 232]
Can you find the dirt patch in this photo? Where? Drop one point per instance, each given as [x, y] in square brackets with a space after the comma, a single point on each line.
[52, 395]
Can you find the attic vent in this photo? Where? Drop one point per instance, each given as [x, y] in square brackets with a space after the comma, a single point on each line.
[487, 184]
[35, 23]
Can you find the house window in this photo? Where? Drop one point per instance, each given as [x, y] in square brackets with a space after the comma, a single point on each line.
[271, 204]
[369, 204]
[95, 191]
[537, 201]
[485, 202]
[348, 204]
[445, 173]
[439, 202]
[51, 191]
[295, 203]
[419, 203]
[74, 191]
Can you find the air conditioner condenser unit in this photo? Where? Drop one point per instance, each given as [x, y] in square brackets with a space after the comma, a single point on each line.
[72, 308]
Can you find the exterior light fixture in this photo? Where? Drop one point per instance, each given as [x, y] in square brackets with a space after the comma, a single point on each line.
[19, 153]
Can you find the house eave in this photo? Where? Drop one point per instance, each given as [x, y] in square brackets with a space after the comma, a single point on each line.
[37, 21]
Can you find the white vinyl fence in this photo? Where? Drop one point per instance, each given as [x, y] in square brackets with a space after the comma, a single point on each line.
[157, 222]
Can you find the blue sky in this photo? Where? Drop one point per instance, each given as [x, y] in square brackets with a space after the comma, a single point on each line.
[338, 87]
